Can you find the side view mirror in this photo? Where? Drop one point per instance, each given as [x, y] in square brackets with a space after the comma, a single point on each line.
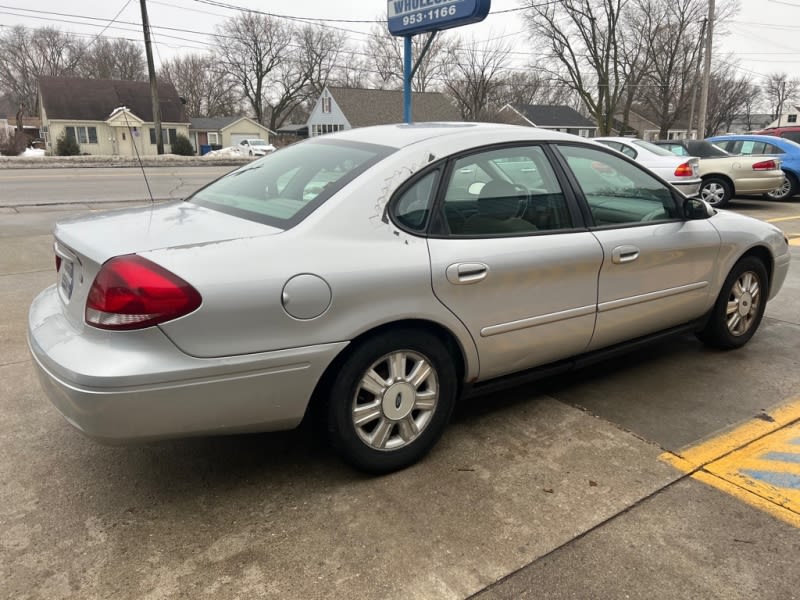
[695, 208]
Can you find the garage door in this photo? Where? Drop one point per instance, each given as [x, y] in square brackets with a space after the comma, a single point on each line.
[238, 137]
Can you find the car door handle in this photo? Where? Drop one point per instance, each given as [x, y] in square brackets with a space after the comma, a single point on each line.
[465, 273]
[624, 254]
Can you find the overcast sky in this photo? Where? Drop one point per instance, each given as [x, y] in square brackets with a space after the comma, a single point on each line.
[763, 35]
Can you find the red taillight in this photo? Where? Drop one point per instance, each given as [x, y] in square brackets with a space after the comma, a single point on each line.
[684, 170]
[765, 165]
[131, 292]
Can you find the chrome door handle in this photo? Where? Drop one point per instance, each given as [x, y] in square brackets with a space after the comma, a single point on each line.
[465, 273]
[624, 254]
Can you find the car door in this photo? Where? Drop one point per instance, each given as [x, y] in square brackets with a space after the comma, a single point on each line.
[657, 267]
[512, 260]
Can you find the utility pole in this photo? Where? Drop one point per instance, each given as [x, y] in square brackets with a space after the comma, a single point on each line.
[151, 69]
[701, 118]
[697, 80]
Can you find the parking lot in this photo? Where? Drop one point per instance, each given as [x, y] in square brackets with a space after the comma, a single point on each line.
[669, 473]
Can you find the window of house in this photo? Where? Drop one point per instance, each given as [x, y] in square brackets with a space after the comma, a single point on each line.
[792, 119]
[326, 104]
[213, 137]
[167, 135]
[82, 134]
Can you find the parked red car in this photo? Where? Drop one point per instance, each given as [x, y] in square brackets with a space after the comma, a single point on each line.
[790, 132]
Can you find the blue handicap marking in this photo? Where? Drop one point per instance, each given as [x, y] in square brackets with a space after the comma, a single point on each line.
[782, 457]
[783, 480]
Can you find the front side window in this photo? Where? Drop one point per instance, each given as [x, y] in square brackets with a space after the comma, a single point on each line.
[510, 191]
[617, 192]
[286, 186]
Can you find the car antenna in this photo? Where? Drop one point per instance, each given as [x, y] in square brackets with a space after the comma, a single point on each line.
[124, 110]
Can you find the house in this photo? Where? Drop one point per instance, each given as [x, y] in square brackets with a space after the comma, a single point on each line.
[555, 117]
[645, 127]
[755, 122]
[109, 116]
[788, 118]
[340, 108]
[224, 131]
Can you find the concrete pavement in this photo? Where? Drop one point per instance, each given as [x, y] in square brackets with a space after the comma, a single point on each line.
[554, 490]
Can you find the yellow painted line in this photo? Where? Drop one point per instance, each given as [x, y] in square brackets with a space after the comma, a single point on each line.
[758, 462]
[754, 500]
[779, 219]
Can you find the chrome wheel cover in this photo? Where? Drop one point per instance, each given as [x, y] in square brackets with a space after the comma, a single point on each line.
[743, 303]
[781, 192]
[395, 400]
[713, 193]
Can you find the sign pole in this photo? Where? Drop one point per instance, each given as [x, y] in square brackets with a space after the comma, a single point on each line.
[407, 58]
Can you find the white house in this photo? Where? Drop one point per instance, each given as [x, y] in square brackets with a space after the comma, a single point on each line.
[340, 108]
[109, 116]
[225, 131]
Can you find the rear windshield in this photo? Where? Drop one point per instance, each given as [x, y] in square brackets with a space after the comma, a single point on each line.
[657, 150]
[703, 149]
[286, 186]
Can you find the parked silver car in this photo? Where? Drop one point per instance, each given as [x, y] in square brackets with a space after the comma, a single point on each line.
[377, 274]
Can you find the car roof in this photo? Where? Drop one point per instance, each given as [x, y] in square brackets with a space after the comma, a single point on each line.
[402, 134]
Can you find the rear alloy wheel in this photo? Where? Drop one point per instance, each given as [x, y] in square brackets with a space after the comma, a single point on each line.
[391, 400]
[739, 307]
[717, 192]
[786, 190]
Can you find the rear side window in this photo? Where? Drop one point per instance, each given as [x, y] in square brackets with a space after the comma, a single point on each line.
[285, 187]
[791, 135]
[413, 207]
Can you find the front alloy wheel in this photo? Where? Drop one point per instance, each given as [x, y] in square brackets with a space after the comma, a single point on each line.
[739, 307]
[391, 399]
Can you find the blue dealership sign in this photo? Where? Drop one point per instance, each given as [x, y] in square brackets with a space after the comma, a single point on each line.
[410, 17]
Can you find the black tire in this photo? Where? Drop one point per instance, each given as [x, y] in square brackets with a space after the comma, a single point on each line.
[361, 446]
[787, 191]
[716, 191]
[718, 333]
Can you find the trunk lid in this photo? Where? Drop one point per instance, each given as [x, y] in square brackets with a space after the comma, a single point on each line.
[83, 244]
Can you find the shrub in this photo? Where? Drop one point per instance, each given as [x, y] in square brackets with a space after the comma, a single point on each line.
[67, 146]
[182, 146]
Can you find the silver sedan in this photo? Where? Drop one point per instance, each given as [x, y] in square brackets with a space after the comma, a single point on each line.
[375, 275]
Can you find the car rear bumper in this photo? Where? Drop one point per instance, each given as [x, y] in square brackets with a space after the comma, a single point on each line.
[757, 185]
[688, 188]
[129, 386]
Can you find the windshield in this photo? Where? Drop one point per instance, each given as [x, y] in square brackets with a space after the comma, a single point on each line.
[258, 143]
[657, 150]
[286, 186]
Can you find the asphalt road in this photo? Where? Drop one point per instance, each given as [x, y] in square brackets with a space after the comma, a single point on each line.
[33, 187]
[563, 489]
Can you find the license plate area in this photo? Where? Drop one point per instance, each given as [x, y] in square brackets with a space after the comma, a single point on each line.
[66, 279]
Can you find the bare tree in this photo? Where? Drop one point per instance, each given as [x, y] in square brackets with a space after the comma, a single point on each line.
[530, 87]
[353, 70]
[476, 77]
[299, 80]
[252, 48]
[752, 99]
[728, 95]
[208, 90]
[386, 54]
[583, 40]
[29, 54]
[113, 59]
[673, 52]
[779, 89]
